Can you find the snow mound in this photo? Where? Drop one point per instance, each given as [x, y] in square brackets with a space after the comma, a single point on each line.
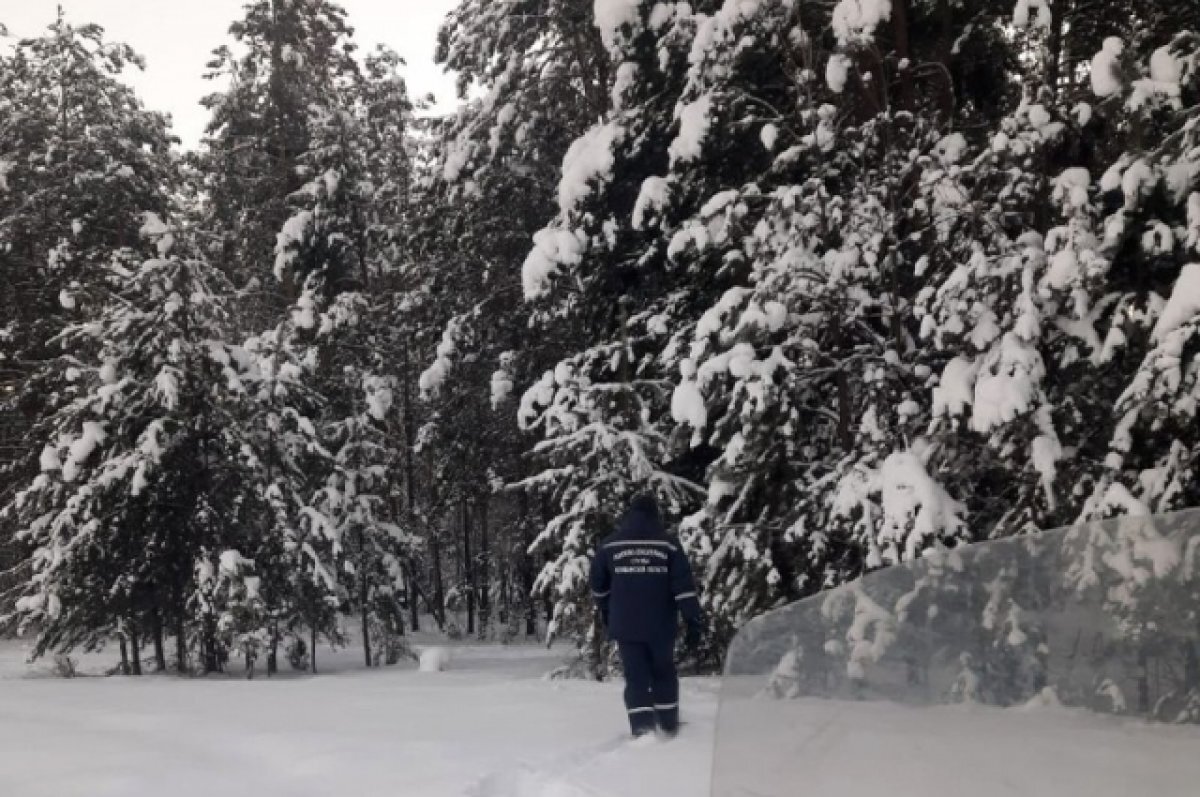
[435, 660]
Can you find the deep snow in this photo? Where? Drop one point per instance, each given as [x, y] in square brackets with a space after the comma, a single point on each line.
[876, 748]
[491, 725]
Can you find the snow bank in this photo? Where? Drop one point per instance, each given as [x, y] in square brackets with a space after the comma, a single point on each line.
[435, 659]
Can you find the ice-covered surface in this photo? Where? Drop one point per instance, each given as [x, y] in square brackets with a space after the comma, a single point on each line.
[491, 725]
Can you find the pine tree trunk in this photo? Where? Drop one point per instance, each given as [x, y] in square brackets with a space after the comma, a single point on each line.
[181, 662]
[413, 594]
[468, 566]
[410, 487]
[845, 409]
[125, 670]
[527, 578]
[502, 579]
[945, 54]
[410, 430]
[312, 650]
[439, 587]
[181, 645]
[531, 625]
[212, 657]
[135, 650]
[1143, 681]
[908, 94]
[273, 650]
[363, 594]
[1054, 46]
[484, 575]
[160, 653]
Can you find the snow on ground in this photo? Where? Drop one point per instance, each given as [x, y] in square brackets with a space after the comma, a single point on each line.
[867, 749]
[491, 725]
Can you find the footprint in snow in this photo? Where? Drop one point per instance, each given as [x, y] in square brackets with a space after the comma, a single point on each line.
[527, 782]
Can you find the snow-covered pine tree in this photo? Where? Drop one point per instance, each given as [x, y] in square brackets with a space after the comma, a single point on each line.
[287, 55]
[600, 278]
[329, 247]
[1151, 234]
[1148, 208]
[806, 375]
[142, 464]
[80, 161]
[285, 456]
[495, 167]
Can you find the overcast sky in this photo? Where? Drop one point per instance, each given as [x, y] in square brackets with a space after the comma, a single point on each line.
[177, 37]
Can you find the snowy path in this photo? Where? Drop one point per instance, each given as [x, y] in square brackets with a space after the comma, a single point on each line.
[488, 727]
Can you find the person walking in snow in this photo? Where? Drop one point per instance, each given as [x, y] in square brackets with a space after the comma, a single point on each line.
[642, 581]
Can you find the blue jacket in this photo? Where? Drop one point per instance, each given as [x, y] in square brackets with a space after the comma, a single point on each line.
[642, 581]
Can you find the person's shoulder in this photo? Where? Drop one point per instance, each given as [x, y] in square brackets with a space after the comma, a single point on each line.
[640, 536]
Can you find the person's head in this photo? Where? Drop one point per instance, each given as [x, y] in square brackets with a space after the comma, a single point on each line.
[646, 505]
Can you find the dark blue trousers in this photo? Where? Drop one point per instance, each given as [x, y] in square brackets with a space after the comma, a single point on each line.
[651, 686]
